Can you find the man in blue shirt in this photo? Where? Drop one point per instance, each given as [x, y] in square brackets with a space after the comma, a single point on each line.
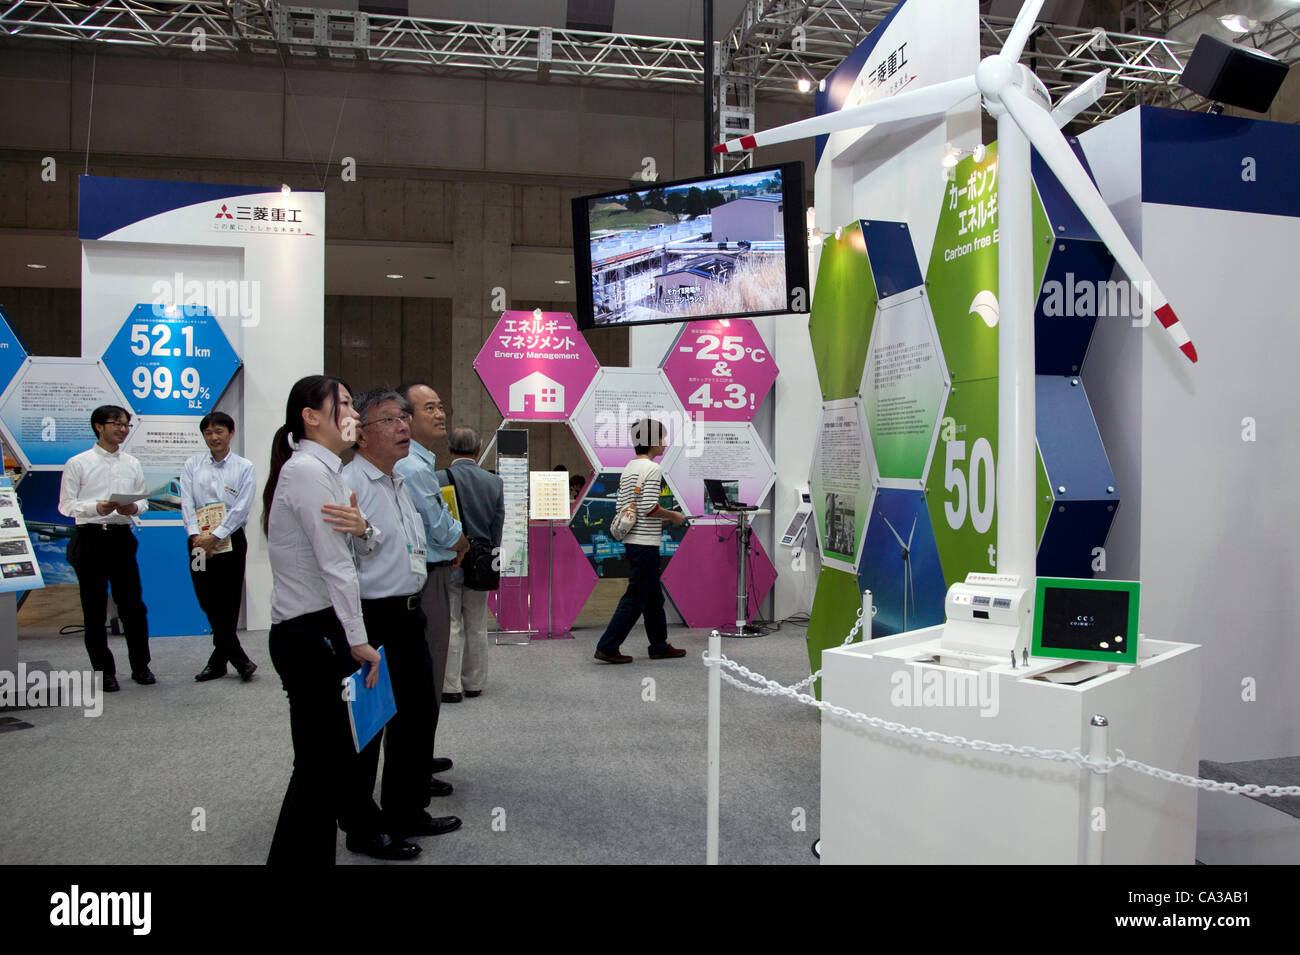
[218, 548]
[447, 544]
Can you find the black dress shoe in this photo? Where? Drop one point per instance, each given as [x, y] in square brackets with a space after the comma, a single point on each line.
[210, 672]
[441, 764]
[439, 788]
[427, 825]
[384, 846]
[452, 697]
[247, 670]
[144, 678]
[473, 693]
[110, 684]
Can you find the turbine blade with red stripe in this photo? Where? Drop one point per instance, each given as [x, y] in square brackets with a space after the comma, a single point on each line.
[914, 104]
[1040, 129]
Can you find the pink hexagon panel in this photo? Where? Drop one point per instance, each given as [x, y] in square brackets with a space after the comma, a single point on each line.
[536, 365]
[616, 400]
[730, 451]
[555, 563]
[701, 577]
[720, 369]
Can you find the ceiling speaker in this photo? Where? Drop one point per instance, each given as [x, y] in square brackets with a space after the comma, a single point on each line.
[1233, 75]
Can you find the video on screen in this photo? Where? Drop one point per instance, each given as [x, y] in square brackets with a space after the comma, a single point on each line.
[676, 251]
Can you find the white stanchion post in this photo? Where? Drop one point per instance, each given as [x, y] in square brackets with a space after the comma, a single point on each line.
[1098, 734]
[715, 746]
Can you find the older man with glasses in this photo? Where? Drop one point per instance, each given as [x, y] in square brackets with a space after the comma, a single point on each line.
[102, 548]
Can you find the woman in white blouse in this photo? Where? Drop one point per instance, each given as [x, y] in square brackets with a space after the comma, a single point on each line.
[315, 599]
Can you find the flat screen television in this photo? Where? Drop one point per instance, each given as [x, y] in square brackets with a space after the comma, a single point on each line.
[731, 245]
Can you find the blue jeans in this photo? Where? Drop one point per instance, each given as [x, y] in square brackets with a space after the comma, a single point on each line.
[644, 597]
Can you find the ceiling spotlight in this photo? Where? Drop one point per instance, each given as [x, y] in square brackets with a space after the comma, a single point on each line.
[395, 275]
[36, 265]
[978, 153]
[563, 282]
[951, 154]
[537, 314]
[1237, 23]
[285, 188]
[804, 84]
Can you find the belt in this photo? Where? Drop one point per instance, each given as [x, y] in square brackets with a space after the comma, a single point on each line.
[411, 602]
[440, 563]
[107, 527]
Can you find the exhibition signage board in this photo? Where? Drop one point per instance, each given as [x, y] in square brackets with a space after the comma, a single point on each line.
[843, 309]
[590, 526]
[513, 472]
[45, 411]
[162, 444]
[842, 483]
[559, 581]
[536, 365]
[548, 495]
[731, 452]
[617, 400]
[721, 369]
[702, 579]
[900, 564]
[835, 608]
[171, 359]
[12, 350]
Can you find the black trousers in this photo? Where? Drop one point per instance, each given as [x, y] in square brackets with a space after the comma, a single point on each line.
[303, 651]
[103, 555]
[408, 737]
[643, 598]
[219, 586]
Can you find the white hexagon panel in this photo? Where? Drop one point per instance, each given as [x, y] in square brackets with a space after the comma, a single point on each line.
[616, 400]
[730, 451]
[720, 368]
[45, 411]
[904, 386]
[843, 482]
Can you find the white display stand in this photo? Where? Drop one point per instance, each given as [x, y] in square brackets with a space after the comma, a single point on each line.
[894, 799]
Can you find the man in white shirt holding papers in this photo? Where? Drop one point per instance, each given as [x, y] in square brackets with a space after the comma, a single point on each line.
[217, 491]
[102, 548]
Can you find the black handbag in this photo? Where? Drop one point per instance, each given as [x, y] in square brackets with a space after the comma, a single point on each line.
[481, 565]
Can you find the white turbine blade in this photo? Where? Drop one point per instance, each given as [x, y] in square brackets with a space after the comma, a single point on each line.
[1025, 21]
[1081, 97]
[914, 104]
[1043, 135]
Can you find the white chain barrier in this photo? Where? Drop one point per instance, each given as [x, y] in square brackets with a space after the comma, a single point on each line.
[762, 686]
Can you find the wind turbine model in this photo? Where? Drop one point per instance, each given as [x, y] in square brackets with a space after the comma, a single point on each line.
[1019, 102]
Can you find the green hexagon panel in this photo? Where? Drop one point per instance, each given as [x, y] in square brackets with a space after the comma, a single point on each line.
[834, 611]
[962, 278]
[904, 388]
[844, 301]
[961, 490]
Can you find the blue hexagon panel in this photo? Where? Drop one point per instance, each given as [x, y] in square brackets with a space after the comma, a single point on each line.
[892, 256]
[45, 411]
[900, 564]
[1081, 485]
[171, 360]
[12, 350]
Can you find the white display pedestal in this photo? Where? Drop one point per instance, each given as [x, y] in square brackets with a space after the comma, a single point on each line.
[891, 799]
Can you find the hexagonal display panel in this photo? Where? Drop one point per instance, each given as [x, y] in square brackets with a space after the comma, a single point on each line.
[171, 359]
[844, 301]
[162, 444]
[900, 564]
[702, 581]
[843, 481]
[720, 369]
[556, 567]
[553, 444]
[45, 411]
[962, 277]
[536, 365]
[616, 400]
[904, 386]
[590, 526]
[730, 451]
[12, 350]
[835, 608]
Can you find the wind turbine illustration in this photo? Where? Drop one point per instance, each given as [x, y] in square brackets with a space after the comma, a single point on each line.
[906, 554]
[1019, 102]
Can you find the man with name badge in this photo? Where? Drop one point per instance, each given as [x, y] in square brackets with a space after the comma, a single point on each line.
[217, 491]
[102, 548]
[391, 569]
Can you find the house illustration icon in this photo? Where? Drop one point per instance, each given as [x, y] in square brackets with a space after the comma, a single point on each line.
[542, 393]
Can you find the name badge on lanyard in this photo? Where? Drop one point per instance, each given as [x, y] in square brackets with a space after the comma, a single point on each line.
[418, 557]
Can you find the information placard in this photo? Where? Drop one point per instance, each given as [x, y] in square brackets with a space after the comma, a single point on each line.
[513, 472]
[548, 495]
[19, 569]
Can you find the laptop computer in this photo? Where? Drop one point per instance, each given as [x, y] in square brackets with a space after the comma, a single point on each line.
[719, 498]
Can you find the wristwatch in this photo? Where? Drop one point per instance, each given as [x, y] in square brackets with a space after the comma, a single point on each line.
[369, 534]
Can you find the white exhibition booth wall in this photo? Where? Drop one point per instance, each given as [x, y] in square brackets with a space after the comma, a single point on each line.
[255, 258]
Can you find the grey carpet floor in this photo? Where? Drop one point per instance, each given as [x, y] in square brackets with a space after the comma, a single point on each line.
[562, 760]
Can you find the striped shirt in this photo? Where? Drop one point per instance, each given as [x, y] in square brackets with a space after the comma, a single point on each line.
[643, 473]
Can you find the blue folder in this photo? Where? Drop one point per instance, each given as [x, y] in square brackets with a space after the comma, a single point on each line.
[369, 710]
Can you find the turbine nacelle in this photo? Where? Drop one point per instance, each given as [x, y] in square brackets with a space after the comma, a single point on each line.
[996, 73]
